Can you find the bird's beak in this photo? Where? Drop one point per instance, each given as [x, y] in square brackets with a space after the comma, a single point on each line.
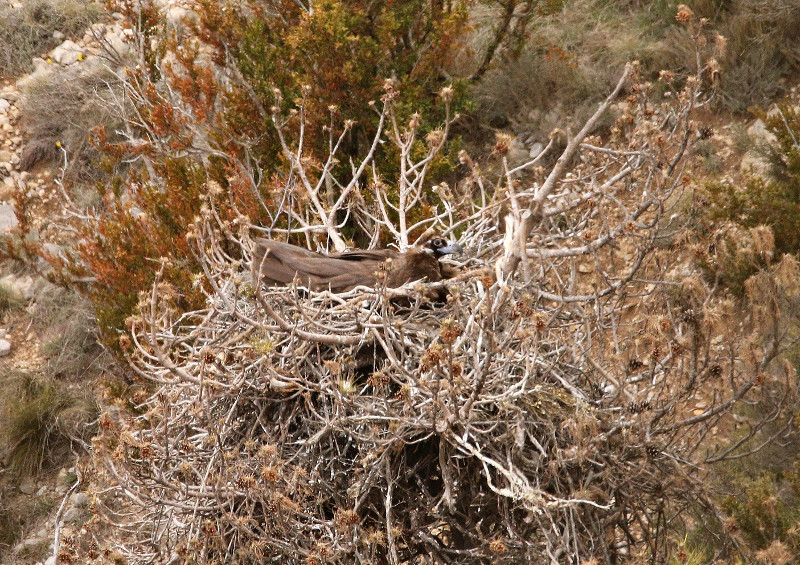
[450, 248]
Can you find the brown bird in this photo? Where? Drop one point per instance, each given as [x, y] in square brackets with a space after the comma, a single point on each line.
[276, 263]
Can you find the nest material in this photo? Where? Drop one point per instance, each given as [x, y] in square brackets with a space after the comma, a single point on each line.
[545, 413]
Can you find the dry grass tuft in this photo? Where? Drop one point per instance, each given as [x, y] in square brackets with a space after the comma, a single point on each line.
[27, 32]
[41, 420]
[59, 113]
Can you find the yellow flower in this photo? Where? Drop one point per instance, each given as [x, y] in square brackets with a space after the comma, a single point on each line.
[58, 144]
[49, 60]
[80, 56]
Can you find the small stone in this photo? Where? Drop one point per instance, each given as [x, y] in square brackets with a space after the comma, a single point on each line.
[31, 542]
[58, 35]
[3, 333]
[79, 499]
[176, 15]
[27, 486]
[758, 132]
[71, 515]
[5, 156]
[67, 53]
[42, 491]
[4, 104]
[8, 219]
[5, 349]
[26, 286]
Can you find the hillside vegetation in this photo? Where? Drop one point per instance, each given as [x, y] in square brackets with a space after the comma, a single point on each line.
[611, 379]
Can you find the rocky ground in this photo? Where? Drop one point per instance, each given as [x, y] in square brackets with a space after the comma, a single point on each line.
[53, 500]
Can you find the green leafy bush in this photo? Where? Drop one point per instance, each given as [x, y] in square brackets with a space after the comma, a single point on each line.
[775, 200]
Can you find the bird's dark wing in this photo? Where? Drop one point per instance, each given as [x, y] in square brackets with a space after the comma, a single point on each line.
[278, 263]
[378, 255]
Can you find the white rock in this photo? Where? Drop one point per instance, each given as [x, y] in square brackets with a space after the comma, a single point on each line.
[30, 542]
[115, 43]
[8, 219]
[26, 286]
[58, 35]
[50, 561]
[517, 153]
[27, 486]
[64, 478]
[753, 164]
[67, 53]
[71, 515]
[42, 491]
[5, 156]
[758, 132]
[176, 15]
[4, 104]
[5, 349]
[79, 499]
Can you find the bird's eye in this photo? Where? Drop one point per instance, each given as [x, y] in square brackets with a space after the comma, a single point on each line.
[437, 243]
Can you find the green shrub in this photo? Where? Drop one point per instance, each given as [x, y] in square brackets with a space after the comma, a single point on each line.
[764, 508]
[773, 201]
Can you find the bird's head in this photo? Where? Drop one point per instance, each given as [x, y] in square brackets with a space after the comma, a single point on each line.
[440, 247]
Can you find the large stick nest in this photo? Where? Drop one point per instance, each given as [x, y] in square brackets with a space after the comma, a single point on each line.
[549, 411]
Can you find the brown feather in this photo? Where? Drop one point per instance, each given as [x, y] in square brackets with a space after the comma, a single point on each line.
[276, 263]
